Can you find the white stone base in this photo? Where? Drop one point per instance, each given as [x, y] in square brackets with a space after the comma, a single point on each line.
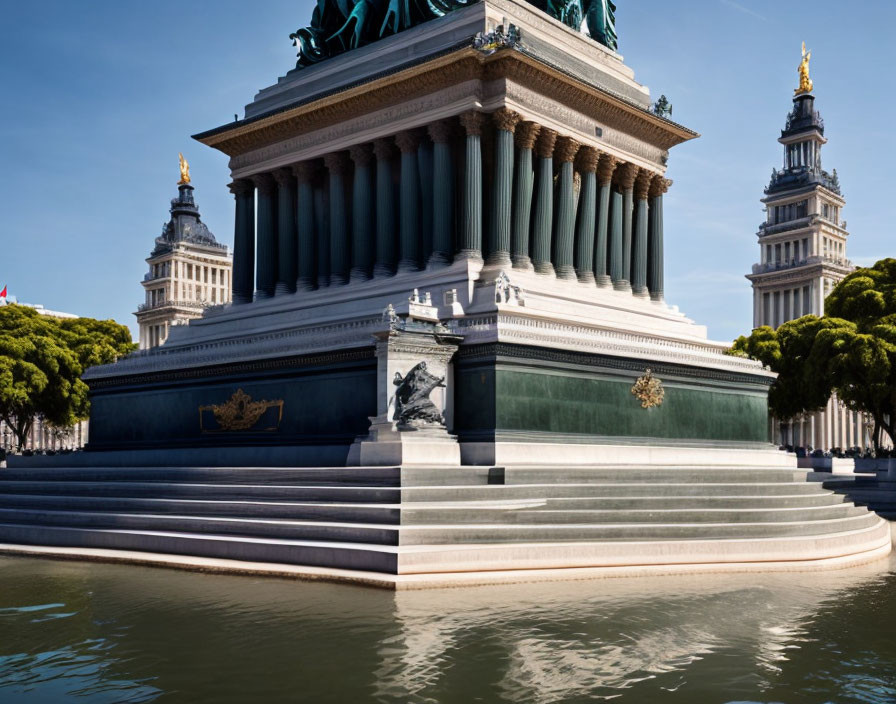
[386, 445]
[574, 454]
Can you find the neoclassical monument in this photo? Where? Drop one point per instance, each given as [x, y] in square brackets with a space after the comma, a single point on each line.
[448, 359]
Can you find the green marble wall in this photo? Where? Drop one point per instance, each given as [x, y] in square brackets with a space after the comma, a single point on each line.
[567, 399]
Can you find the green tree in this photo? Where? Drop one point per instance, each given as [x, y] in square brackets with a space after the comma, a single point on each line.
[41, 362]
[851, 351]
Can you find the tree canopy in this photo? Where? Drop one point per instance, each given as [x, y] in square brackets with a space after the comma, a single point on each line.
[851, 351]
[41, 362]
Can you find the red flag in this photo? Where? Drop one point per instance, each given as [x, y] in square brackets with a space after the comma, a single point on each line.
[3, 292]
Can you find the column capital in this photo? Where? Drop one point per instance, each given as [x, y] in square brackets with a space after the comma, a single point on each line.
[565, 149]
[526, 133]
[441, 132]
[283, 176]
[506, 120]
[659, 185]
[408, 141]
[304, 171]
[605, 168]
[241, 187]
[264, 182]
[625, 175]
[361, 154]
[642, 184]
[586, 159]
[472, 122]
[383, 148]
[544, 145]
[336, 162]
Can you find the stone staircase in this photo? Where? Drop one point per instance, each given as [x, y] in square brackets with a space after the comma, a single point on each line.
[419, 521]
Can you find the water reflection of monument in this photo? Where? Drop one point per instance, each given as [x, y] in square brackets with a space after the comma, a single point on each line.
[470, 206]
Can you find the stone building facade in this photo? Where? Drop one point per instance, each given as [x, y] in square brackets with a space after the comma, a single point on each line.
[802, 248]
[188, 272]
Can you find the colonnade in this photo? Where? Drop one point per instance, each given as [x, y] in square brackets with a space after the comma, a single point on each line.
[481, 186]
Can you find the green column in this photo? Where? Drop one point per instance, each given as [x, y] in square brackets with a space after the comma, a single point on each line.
[409, 202]
[616, 238]
[524, 179]
[564, 232]
[606, 166]
[322, 231]
[626, 175]
[443, 193]
[304, 172]
[243, 277]
[286, 232]
[363, 213]
[587, 163]
[470, 244]
[425, 170]
[502, 188]
[339, 257]
[544, 202]
[266, 249]
[385, 209]
[658, 187]
[639, 244]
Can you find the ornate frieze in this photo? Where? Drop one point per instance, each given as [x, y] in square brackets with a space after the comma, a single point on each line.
[648, 390]
[241, 413]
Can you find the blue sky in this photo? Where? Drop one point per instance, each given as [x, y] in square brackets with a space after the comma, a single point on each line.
[100, 96]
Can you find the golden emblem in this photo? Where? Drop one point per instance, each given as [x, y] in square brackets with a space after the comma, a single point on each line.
[184, 171]
[240, 412]
[648, 390]
[805, 81]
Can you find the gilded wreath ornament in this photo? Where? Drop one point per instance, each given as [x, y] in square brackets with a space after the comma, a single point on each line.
[240, 412]
[649, 390]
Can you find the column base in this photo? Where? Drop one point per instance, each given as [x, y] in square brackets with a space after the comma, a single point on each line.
[586, 277]
[262, 295]
[468, 255]
[640, 293]
[622, 285]
[499, 258]
[357, 276]
[382, 270]
[603, 281]
[406, 266]
[522, 261]
[567, 273]
[545, 268]
[304, 284]
[387, 444]
[438, 259]
[283, 289]
[657, 297]
[241, 299]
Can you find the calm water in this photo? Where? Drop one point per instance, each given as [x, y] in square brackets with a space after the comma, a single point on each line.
[113, 633]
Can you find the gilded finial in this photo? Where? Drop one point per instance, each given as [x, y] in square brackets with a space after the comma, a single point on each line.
[184, 171]
[805, 81]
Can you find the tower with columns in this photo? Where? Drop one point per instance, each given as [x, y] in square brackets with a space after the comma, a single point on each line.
[475, 202]
[188, 272]
[802, 256]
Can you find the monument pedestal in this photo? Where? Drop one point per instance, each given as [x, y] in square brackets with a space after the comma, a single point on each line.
[386, 445]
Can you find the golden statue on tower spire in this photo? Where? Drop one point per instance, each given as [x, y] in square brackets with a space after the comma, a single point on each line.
[184, 171]
[805, 81]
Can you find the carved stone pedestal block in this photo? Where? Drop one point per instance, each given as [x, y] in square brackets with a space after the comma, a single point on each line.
[413, 388]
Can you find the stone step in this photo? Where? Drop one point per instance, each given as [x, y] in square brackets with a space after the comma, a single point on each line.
[205, 491]
[433, 534]
[354, 556]
[502, 515]
[864, 535]
[249, 527]
[280, 476]
[665, 475]
[345, 512]
[412, 494]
